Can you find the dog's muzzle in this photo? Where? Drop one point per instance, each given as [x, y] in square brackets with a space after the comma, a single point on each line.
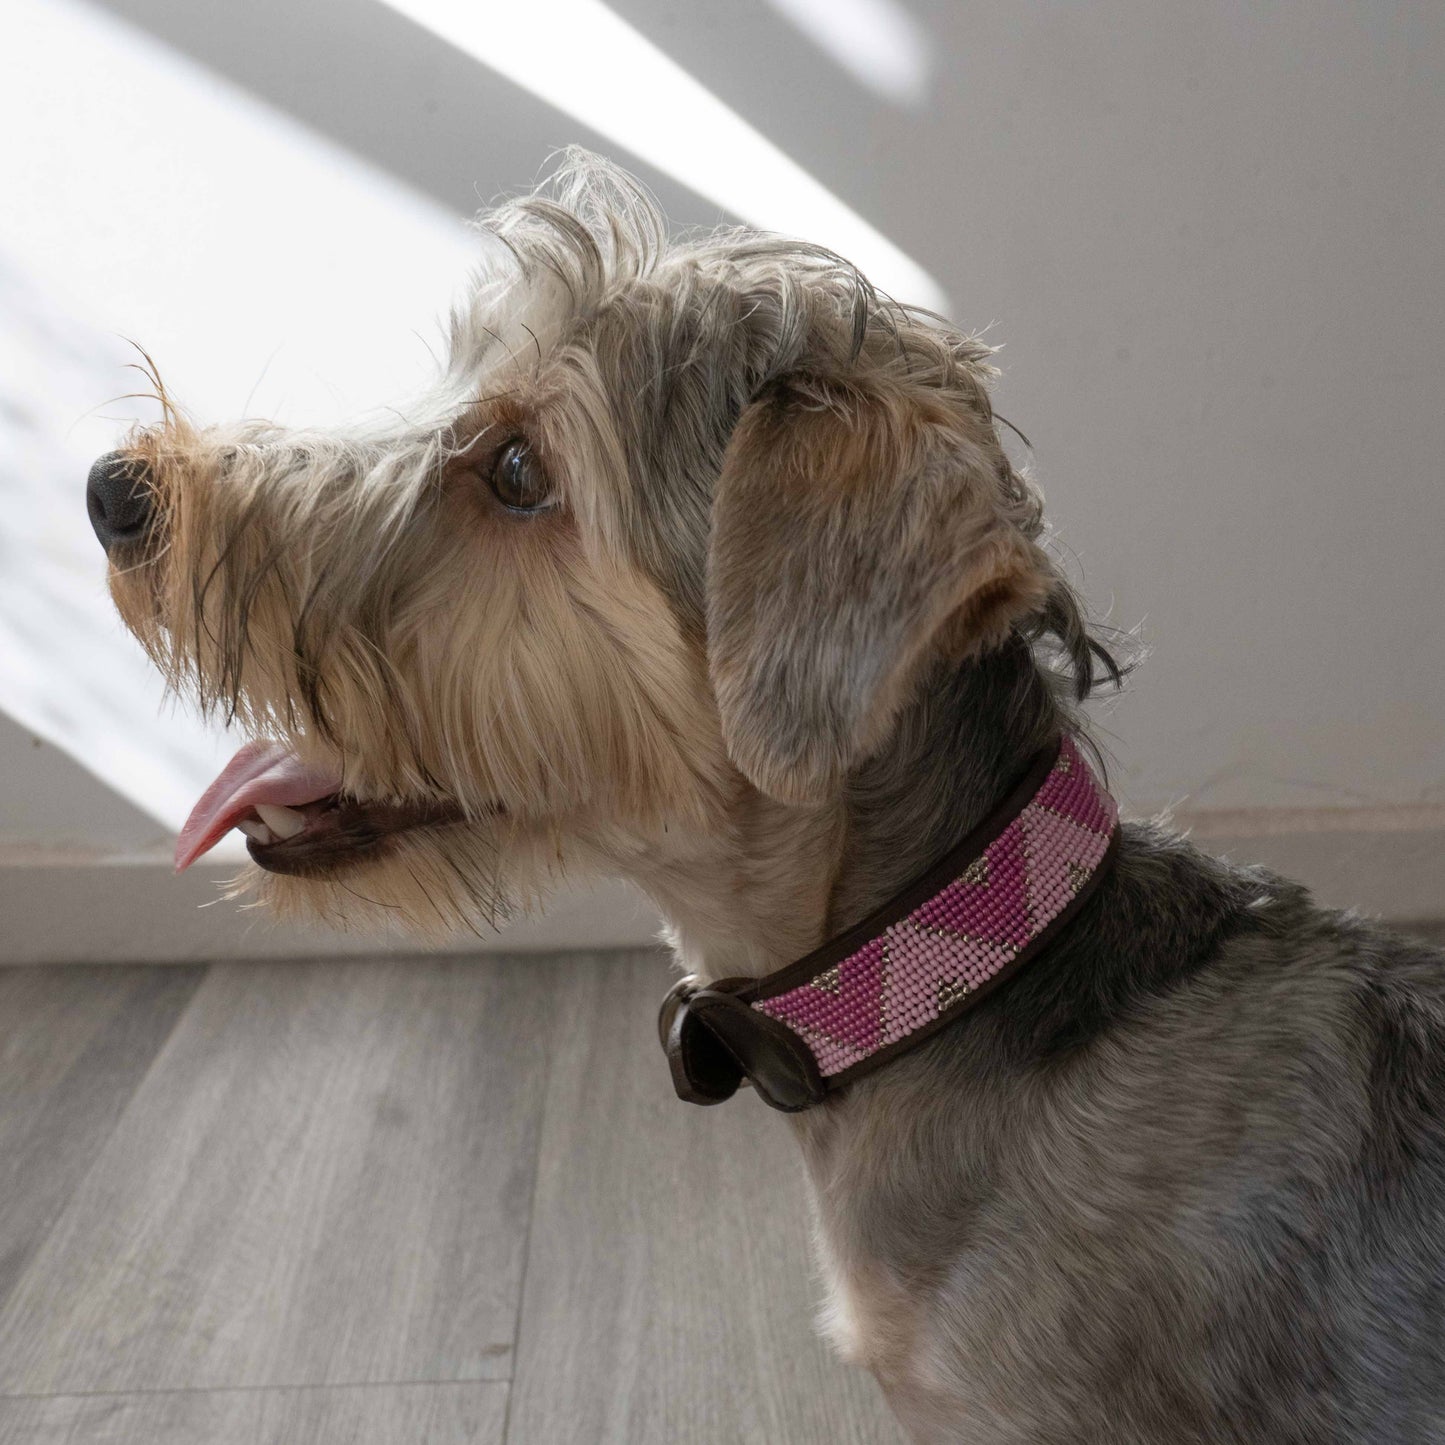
[120, 500]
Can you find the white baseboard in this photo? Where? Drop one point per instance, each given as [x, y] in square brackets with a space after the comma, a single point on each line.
[138, 911]
[63, 907]
[1387, 862]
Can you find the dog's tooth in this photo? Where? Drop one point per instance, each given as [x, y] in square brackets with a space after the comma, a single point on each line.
[257, 832]
[283, 822]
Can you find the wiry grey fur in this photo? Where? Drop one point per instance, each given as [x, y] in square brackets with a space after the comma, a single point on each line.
[1182, 1180]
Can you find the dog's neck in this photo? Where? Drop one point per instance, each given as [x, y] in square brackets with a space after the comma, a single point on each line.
[958, 750]
[776, 881]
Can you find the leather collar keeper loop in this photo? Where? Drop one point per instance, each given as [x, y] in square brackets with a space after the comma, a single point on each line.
[713, 1039]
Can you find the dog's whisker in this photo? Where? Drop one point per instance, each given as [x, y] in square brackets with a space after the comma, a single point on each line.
[256, 385]
[362, 897]
[505, 345]
[149, 562]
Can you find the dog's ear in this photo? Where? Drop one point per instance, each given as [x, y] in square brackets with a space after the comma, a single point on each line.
[859, 529]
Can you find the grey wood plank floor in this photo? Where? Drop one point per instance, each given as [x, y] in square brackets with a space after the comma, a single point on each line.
[322, 1180]
[424, 1201]
[668, 1291]
[74, 1045]
[355, 1415]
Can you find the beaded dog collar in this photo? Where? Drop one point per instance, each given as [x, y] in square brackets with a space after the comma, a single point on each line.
[914, 965]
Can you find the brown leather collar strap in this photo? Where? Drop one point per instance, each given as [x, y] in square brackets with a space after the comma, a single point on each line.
[915, 964]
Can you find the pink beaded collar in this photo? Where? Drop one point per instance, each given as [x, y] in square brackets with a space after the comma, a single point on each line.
[915, 964]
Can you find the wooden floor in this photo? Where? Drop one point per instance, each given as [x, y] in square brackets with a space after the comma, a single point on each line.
[399, 1203]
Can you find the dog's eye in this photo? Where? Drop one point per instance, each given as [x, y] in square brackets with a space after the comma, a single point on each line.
[518, 478]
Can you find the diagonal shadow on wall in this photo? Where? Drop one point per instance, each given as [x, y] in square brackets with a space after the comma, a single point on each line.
[391, 91]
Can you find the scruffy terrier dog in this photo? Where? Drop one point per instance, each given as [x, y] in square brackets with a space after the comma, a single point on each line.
[702, 564]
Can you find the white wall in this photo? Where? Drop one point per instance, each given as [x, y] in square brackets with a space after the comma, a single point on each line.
[52, 803]
[1209, 237]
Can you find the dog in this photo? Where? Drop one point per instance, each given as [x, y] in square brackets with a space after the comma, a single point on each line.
[703, 564]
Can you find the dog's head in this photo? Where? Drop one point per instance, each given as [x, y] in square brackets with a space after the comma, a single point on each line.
[680, 523]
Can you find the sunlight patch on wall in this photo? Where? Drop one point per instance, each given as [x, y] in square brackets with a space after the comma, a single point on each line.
[253, 259]
[581, 57]
[877, 41]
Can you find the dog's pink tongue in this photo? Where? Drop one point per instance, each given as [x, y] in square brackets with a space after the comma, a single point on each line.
[259, 773]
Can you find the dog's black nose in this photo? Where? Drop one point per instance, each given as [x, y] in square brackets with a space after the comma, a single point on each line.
[118, 498]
